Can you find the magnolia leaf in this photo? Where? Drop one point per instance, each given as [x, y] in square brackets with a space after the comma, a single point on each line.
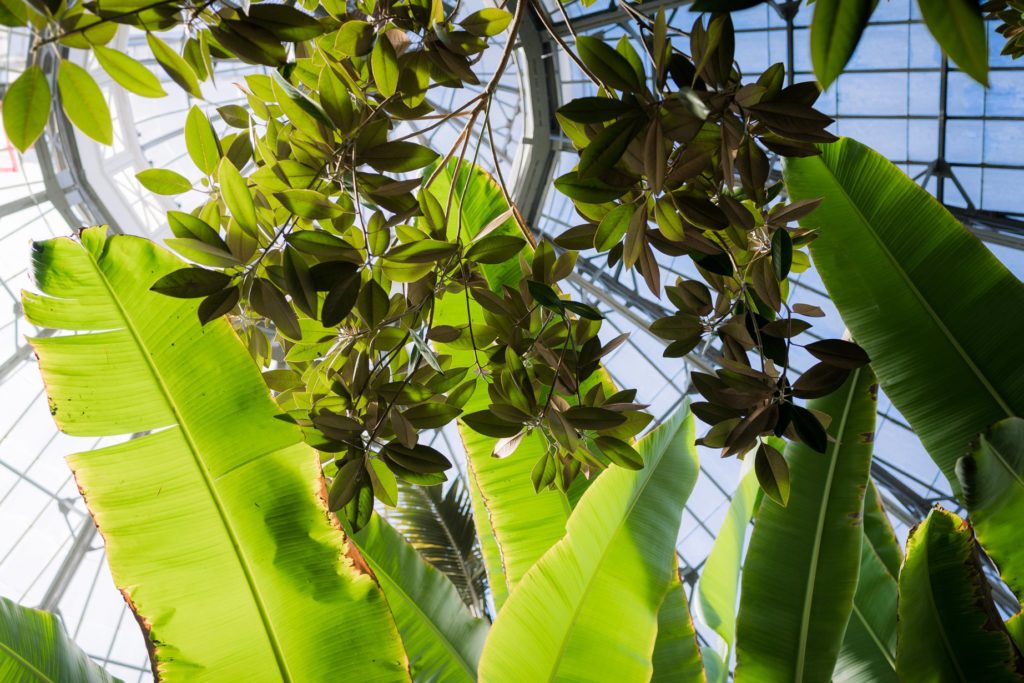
[128, 73]
[189, 283]
[26, 107]
[384, 65]
[163, 181]
[176, 67]
[236, 195]
[608, 65]
[308, 204]
[201, 141]
[398, 157]
[83, 102]
[489, 21]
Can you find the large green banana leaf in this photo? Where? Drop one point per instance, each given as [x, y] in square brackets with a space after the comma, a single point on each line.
[34, 647]
[949, 629]
[800, 572]
[879, 532]
[935, 310]
[868, 653]
[869, 646]
[442, 638]
[438, 522]
[676, 657]
[588, 609]
[992, 476]
[720, 578]
[1015, 626]
[215, 523]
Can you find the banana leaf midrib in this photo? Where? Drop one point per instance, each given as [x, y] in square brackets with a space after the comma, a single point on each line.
[1006, 464]
[452, 544]
[204, 473]
[25, 663]
[805, 618]
[378, 570]
[874, 637]
[649, 469]
[947, 333]
[933, 608]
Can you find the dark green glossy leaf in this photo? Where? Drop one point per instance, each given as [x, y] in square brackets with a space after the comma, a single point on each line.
[835, 31]
[189, 283]
[308, 204]
[619, 452]
[270, 302]
[596, 109]
[398, 157]
[606, 149]
[772, 473]
[782, 254]
[487, 423]
[611, 67]
[590, 191]
[218, 304]
[960, 31]
[494, 249]
[340, 300]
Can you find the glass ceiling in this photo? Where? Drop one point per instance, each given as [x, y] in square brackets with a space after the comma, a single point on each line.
[898, 95]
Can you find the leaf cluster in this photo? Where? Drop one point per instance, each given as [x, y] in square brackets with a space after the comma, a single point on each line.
[675, 161]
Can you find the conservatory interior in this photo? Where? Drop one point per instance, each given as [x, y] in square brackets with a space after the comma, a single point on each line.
[512, 340]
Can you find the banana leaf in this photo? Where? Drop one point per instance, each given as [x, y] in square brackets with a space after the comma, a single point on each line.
[720, 578]
[676, 657]
[35, 647]
[216, 527]
[439, 525]
[879, 532]
[868, 653]
[949, 629]
[800, 573]
[589, 607]
[869, 646]
[992, 476]
[934, 309]
[1015, 626]
[442, 638]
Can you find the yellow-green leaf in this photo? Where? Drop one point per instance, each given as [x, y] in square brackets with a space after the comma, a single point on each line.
[128, 73]
[237, 196]
[163, 181]
[201, 141]
[384, 64]
[83, 102]
[26, 107]
[175, 66]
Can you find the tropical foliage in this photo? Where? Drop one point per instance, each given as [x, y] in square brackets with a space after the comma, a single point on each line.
[343, 291]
